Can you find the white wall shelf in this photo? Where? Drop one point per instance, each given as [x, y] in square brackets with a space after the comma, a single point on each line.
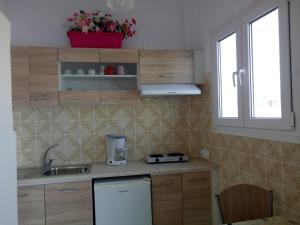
[97, 76]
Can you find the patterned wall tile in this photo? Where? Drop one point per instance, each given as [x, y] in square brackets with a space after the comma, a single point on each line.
[291, 176]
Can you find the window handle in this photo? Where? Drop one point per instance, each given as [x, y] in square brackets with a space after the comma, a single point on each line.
[242, 72]
[234, 74]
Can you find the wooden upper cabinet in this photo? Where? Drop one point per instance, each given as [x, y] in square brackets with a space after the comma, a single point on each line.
[197, 198]
[167, 200]
[43, 69]
[20, 75]
[119, 96]
[166, 66]
[69, 203]
[119, 56]
[78, 55]
[79, 97]
[31, 207]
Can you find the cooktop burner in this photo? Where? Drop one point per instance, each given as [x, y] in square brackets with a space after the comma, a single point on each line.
[165, 158]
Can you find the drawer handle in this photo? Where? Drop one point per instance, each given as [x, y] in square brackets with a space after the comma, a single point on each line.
[166, 183]
[166, 76]
[23, 195]
[69, 190]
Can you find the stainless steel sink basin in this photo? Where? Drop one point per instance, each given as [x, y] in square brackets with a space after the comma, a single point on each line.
[69, 170]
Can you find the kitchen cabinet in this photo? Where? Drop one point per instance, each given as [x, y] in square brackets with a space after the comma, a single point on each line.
[183, 199]
[43, 70]
[69, 203]
[82, 75]
[167, 200]
[20, 75]
[119, 56]
[78, 55]
[119, 96]
[196, 189]
[166, 67]
[79, 97]
[31, 208]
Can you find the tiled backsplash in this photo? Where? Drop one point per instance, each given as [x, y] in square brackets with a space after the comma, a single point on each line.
[153, 125]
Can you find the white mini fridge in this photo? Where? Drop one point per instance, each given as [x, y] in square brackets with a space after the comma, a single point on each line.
[123, 201]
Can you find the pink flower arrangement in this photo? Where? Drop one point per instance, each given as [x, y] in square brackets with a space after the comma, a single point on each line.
[98, 22]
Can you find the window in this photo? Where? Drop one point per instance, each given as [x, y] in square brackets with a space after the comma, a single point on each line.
[252, 81]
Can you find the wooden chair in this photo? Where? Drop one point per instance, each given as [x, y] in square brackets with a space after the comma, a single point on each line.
[244, 202]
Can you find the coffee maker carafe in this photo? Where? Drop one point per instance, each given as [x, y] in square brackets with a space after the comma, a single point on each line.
[116, 150]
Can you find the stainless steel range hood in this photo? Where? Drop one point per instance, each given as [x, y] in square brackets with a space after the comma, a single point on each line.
[169, 89]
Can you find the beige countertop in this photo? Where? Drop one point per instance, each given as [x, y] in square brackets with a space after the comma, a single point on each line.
[278, 220]
[28, 177]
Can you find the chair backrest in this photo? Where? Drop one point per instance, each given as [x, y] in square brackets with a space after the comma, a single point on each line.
[244, 202]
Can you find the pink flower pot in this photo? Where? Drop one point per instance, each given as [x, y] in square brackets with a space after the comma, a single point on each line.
[95, 39]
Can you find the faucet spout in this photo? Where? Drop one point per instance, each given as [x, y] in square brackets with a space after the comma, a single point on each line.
[47, 165]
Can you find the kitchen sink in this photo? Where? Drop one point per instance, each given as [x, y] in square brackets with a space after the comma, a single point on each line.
[68, 170]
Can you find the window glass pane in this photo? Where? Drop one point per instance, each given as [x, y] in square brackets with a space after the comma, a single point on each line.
[265, 67]
[227, 64]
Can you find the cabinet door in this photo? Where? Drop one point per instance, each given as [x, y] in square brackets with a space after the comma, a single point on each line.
[43, 70]
[69, 203]
[79, 97]
[167, 200]
[197, 198]
[166, 66]
[119, 97]
[78, 55]
[119, 56]
[20, 75]
[31, 208]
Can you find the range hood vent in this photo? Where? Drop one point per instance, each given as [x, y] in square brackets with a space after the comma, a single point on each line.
[169, 89]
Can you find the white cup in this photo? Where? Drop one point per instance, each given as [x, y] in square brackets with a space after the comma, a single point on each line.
[67, 72]
[80, 72]
[91, 72]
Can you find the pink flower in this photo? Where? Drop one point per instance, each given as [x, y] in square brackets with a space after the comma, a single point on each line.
[85, 29]
[112, 26]
[76, 14]
[133, 20]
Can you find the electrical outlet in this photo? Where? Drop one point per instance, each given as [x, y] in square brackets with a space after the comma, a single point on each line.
[204, 153]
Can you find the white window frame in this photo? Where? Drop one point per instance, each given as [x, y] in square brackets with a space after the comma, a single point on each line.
[286, 122]
[287, 131]
[234, 27]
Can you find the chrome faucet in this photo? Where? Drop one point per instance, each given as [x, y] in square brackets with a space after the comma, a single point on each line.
[47, 165]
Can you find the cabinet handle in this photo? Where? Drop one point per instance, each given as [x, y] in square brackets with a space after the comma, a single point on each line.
[166, 183]
[166, 76]
[23, 195]
[69, 190]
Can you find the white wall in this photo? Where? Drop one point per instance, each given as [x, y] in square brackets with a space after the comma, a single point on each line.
[40, 22]
[8, 167]
[3, 6]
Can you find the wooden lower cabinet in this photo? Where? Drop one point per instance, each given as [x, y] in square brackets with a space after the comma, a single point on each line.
[167, 200]
[31, 207]
[182, 199]
[196, 190]
[69, 204]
